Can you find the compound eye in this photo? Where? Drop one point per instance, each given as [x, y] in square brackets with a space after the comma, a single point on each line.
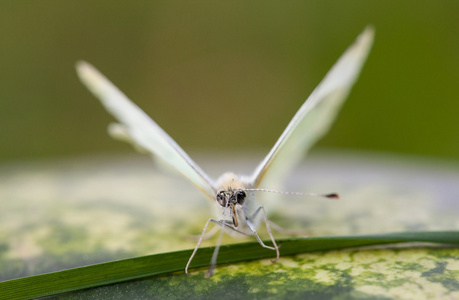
[241, 197]
[221, 198]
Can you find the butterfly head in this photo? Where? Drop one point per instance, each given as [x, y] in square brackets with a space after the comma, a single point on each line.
[231, 195]
[229, 198]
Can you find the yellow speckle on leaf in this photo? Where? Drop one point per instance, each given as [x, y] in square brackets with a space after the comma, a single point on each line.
[407, 291]
[325, 276]
[333, 257]
[412, 255]
[357, 270]
[427, 263]
[288, 262]
[343, 265]
[428, 290]
[372, 290]
[366, 257]
[452, 265]
[411, 274]
[380, 267]
[307, 266]
[266, 262]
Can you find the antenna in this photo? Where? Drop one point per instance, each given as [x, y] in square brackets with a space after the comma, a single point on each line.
[330, 196]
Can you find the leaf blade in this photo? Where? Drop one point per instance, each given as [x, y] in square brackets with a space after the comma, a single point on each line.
[151, 265]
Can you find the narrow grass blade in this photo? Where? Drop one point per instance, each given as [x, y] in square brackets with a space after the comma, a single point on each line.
[151, 265]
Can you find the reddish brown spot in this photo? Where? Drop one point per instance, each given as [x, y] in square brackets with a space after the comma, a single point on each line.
[332, 196]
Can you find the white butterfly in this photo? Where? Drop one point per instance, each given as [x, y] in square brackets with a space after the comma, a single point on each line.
[238, 213]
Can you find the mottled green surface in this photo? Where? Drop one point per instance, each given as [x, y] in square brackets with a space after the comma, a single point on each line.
[57, 215]
[419, 273]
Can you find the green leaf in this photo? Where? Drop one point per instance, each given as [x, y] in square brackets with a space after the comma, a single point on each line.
[151, 265]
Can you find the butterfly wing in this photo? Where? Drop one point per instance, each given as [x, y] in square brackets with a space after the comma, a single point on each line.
[140, 129]
[316, 115]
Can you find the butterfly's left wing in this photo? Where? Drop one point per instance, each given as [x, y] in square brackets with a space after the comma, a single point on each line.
[315, 116]
[141, 130]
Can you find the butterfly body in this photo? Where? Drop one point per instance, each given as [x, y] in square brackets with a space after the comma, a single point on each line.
[237, 211]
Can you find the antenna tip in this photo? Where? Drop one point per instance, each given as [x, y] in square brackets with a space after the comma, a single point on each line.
[332, 196]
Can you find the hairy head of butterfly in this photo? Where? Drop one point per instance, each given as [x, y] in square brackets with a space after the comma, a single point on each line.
[234, 206]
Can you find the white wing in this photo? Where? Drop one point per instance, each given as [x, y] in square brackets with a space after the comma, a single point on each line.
[316, 115]
[140, 129]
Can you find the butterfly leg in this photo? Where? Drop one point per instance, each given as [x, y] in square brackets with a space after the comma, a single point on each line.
[223, 224]
[197, 245]
[249, 223]
[206, 236]
[213, 261]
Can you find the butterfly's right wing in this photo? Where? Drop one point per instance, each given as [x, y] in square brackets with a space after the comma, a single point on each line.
[140, 129]
[315, 116]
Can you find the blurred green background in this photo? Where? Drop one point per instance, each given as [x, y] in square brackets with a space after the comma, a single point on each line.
[227, 75]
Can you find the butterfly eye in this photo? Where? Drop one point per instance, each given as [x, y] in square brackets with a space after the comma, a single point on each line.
[241, 197]
[221, 198]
